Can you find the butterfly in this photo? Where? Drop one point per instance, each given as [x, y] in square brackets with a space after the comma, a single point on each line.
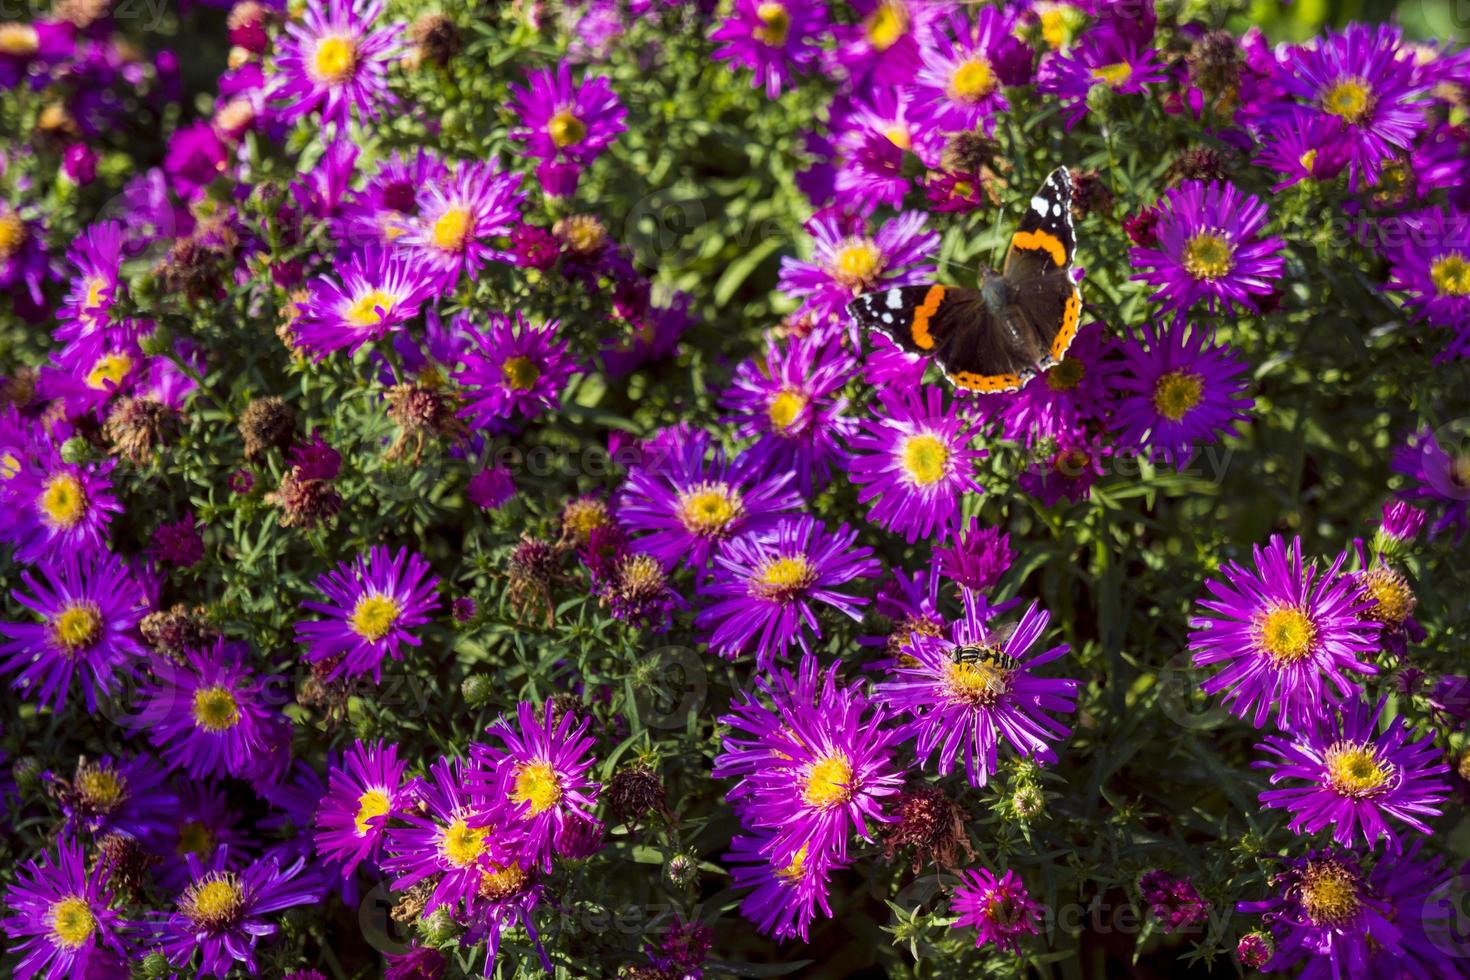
[1019, 322]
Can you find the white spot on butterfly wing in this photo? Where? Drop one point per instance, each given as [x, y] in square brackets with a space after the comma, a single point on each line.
[894, 299]
[1039, 204]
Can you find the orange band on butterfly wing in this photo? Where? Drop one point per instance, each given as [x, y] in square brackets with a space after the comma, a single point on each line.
[1071, 314]
[1041, 241]
[919, 331]
[986, 382]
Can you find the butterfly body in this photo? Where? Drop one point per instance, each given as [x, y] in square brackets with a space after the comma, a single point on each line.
[1018, 322]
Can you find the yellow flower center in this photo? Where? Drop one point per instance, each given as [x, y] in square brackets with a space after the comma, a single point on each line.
[195, 838]
[1329, 893]
[829, 783]
[1393, 599]
[1350, 99]
[583, 233]
[708, 509]
[215, 709]
[979, 682]
[782, 579]
[109, 371]
[972, 81]
[582, 517]
[101, 789]
[1451, 275]
[886, 26]
[641, 575]
[370, 309]
[1066, 374]
[1355, 770]
[925, 459]
[1308, 160]
[19, 40]
[898, 134]
[95, 288]
[1208, 256]
[461, 844]
[520, 373]
[9, 465]
[537, 784]
[796, 870]
[72, 922]
[334, 60]
[775, 24]
[1113, 76]
[451, 229]
[12, 234]
[857, 262]
[1287, 634]
[504, 881]
[373, 616]
[784, 409]
[1177, 393]
[1054, 27]
[565, 129]
[76, 626]
[64, 502]
[370, 806]
[214, 901]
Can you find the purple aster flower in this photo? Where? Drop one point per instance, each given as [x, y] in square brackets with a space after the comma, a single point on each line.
[374, 603]
[633, 586]
[96, 256]
[513, 368]
[1182, 390]
[538, 775]
[773, 38]
[828, 767]
[1424, 895]
[60, 508]
[28, 50]
[508, 895]
[999, 909]
[789, 400]
[784, 897]
[1283, 631]
[315, 460]
[333, 60]
[63, 923]
[208, 715]
[1324, 910]
[1430, 264]
[847, 261]
[1356, 776]
[875, 138]
[89, 606]
[914, 461]
[561, 118]
[364, 791]
[767, 583]
[959, 86]
[685, 505]
[375, 293]
[884, 46]
[1172, 900]
[202, 823]
[388, 201]
[89, 372]
[221, 914]
[1364, 78]
[490, 488]
[1077, 389]
[417, 963]
[966, 693]
[1116, 60]
[1066, 470]
[910, 603]
[1399, 528]
[1440, 480]
[977, 558]
[1209, 249]
[180, 543]
[196, 157]
[1305, 146]
[24, 261]
[460, 220]
[107, 795]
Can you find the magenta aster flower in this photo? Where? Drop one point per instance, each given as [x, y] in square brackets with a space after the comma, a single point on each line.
[875, 138]
[461, 220]
[564, 119]
[884, 46]
[1440, 479]
[60, 508]
[773, 38]
[208, 715]
[847, 261]
[1172, 900]
[89, 608]
[914, 461]
[1356, 776]
[978, 557]
[388, 202]
[1365, 78]
[537, 775]
[686, 499]
[790, 401]
[62, 922]
[1116, 60]
[1209, 249]
[374, 602]
[1077, 389]
[1182, 390]
[1283, 631]
[513, 368]
[24, 260]
[1305, 146]
[221, 914]
[966, 693]
[784, 898]
[959, 86]
[1423, 894]
[490, 488]
[767, 583]
[333, 60]
[364, 792]
[180, 543]
[999, 909]
[375, 294]
[1430, 264]
[96, 256]
[1066, 469]
[116, 795]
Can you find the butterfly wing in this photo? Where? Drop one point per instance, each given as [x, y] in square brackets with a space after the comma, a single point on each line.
[1044, 301]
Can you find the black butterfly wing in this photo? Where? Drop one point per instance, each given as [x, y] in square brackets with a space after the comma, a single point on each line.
[1044, 301]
